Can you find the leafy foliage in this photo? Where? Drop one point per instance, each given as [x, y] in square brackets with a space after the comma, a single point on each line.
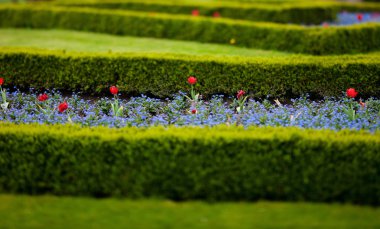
[220, 163]
[165, 75]
[292, 38]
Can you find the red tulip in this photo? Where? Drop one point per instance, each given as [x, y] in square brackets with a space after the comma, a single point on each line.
[194, 111]
[43, 97]
[192, 80]
[325, 25]
[359, 17]
[114, 90]
[216, 14]
[240, 94]
[195, 12]
[351, 93]
[1, 81]
[62, 107]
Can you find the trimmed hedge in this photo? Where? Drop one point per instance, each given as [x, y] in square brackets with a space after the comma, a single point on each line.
[220, 163]
[288, 12]
[163, 76]
[282, 13]
[314, 40]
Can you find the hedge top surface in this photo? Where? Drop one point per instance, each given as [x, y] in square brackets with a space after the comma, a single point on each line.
[279, 5]
[312, 30]
[140, 14]
[208, 133]
[371, 58]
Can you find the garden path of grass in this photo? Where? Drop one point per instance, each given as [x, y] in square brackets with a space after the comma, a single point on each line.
[93, 42]
[68, 212]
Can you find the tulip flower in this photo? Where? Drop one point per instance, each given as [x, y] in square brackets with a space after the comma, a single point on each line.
[359, 17]
[240, 100]
[194, 97]
[216, 14]
[62, 107]
[43, 97]
[240, 94]
[192, 80]
[114, 90]
[350, 109]
[5, 104]
[351, 93]
[117, 110]
[195, 13]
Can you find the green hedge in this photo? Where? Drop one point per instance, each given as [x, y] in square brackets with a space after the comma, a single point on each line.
[217, 163]
[314, 40]
[288, 12]
[164, 75]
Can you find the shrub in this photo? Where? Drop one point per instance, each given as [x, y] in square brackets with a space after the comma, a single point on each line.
[165, 75]
[314, 40]
[220, 163]
[297, 12]
[289, 13]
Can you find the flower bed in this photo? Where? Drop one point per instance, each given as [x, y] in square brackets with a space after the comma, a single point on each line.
[346, 18]
[181, 110]
[218, 163]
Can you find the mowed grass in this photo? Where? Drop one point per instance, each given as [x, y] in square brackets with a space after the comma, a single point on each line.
[93, 42]
[68, 212]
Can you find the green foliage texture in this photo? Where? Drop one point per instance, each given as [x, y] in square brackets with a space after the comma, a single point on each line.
[299, 12]
[190, 163]
[163, 75]
[292, 38]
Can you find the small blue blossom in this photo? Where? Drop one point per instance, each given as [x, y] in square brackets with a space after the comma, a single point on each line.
[143, 111]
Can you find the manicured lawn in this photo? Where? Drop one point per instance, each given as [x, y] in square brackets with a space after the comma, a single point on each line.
[68, 212]
[92, 42]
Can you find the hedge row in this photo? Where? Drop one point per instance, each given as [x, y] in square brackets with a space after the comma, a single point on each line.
[165, 75]
[298, 12]
[191, 163]
[314, 40]
[290, 13]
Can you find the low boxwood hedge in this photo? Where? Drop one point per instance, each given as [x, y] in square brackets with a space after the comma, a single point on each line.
[163, 75]
[220, 163]
[300, 39]
[282, 12]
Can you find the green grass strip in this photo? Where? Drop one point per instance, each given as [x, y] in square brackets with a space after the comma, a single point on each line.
[163, 75]
[95, 42]
[31, 212]
[220, 163]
